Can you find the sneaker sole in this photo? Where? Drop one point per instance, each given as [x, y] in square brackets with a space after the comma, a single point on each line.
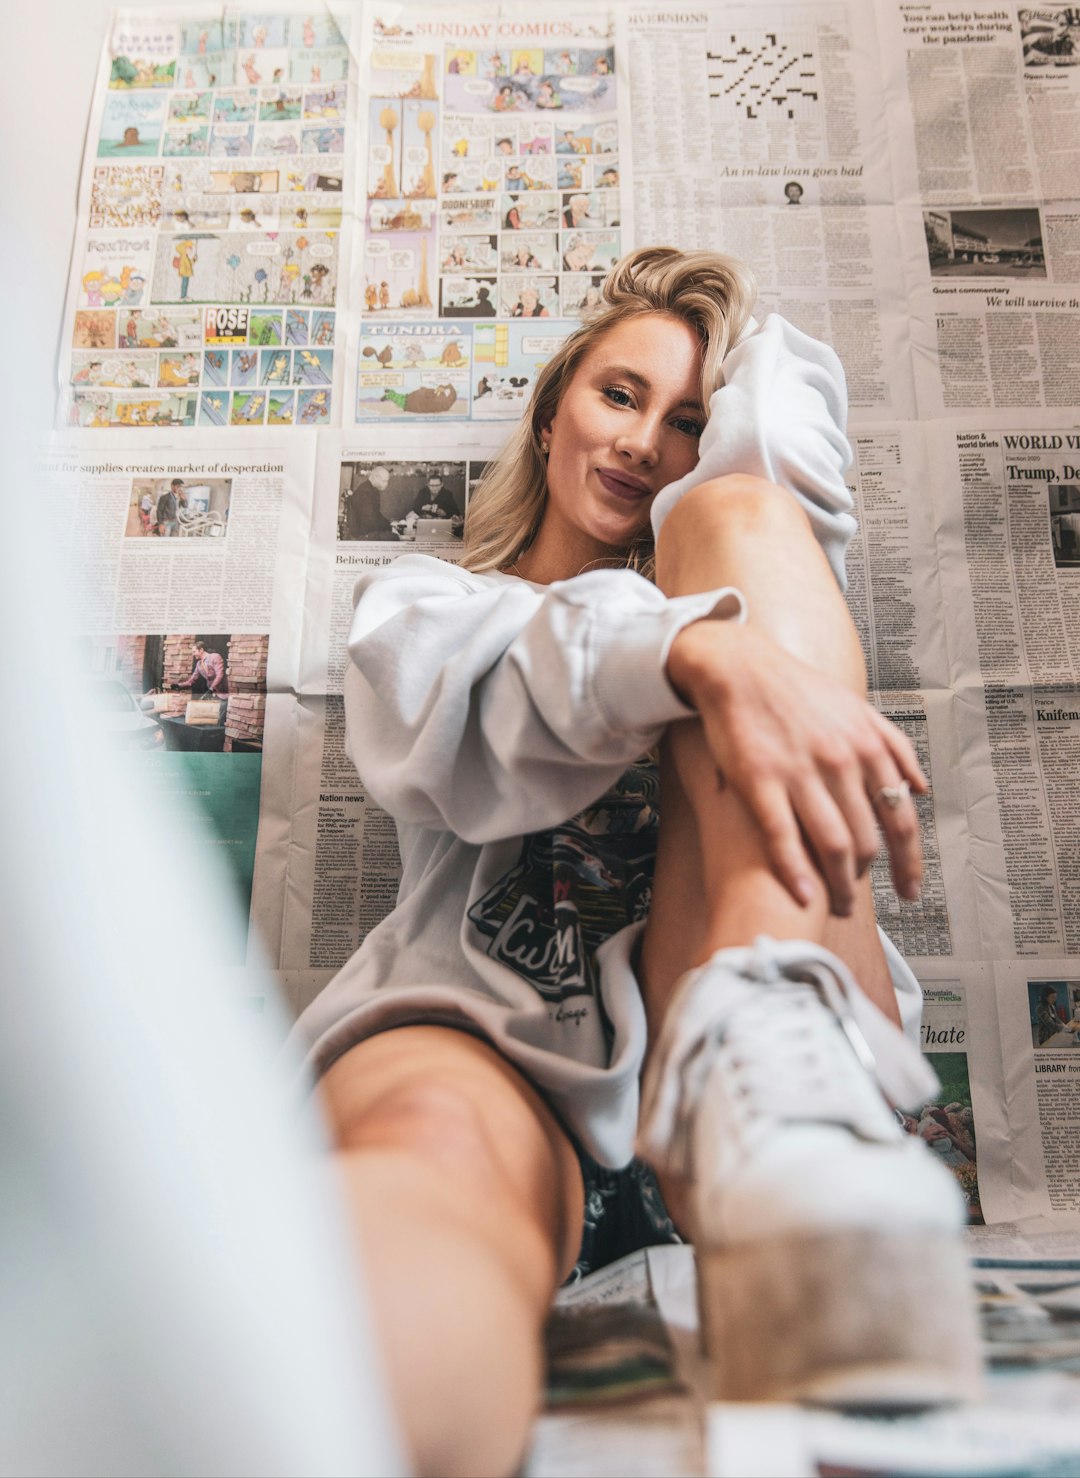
[859, 1320]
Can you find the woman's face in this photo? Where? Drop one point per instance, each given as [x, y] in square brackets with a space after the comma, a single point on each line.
[627, 425]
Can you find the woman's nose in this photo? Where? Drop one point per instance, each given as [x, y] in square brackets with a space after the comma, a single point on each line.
[640, 442]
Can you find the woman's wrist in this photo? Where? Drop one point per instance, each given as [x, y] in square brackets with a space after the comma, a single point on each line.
[701, 654]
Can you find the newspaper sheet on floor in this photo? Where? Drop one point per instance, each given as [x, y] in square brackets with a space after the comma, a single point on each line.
[495, 201]
[185, 558]
[628, 1387]
[210, 262]
[759, 130]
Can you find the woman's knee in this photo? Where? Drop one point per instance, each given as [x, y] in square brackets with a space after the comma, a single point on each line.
[739, 501]
[424, 1152]
[725, 510]
[438, 1122]
[451, 1105]
[416, 1086]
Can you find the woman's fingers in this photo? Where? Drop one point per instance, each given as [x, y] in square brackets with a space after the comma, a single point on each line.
[902, 751]
[770, 804]
[848, 790]
[832, 840]
[899, 821]
[889, 783]
[825, 819]
[871, 785]
[816, 765]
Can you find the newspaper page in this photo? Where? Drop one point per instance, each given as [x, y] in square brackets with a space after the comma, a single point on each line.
[182, 558]
[1002, 513]
[612, 1326]
[961, 586]
[896, 597]
[205, 283]
[494, 204]
[896, 600]
[985, 116]
[616, 1400]
[1005, 530]
[759, 130]
[343, 867]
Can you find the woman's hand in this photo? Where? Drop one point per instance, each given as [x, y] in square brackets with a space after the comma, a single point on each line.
[805, 755]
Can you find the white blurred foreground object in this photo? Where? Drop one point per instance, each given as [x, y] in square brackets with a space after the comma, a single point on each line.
[177, 1290]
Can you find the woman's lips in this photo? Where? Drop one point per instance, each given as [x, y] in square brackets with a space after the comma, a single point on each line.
[631, 489]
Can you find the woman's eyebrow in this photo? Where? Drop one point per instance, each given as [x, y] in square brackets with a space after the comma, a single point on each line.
[642, 382]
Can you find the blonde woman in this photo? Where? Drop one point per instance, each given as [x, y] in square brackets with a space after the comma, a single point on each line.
[654, 561]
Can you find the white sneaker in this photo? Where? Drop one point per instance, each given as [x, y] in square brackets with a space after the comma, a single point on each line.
[830, 1260]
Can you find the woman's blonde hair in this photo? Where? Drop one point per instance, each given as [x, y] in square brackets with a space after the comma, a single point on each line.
[712, 293]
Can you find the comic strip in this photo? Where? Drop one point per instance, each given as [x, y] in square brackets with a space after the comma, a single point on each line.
[493, 194]
[215, 188]
[451, 371]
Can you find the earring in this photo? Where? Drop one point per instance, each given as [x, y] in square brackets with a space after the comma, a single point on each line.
[544, 449]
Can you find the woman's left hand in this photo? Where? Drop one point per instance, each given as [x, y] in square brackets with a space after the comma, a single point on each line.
[815, 763]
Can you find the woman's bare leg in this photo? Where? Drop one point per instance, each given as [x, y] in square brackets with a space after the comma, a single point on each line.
[714, 886]
[823, 1305]
[467, 1199]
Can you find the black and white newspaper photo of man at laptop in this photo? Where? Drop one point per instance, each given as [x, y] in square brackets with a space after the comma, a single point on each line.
[414, 502]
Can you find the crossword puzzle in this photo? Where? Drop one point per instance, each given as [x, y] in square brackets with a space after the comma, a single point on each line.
[761, 76]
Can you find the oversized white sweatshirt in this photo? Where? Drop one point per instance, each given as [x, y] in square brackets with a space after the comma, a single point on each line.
[481, 709]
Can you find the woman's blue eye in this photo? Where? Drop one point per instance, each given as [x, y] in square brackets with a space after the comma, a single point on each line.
[619, 395]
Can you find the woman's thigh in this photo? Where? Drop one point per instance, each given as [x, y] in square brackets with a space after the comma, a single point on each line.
[449, 1098]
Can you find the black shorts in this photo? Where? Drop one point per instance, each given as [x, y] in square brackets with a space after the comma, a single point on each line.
[624, 1211]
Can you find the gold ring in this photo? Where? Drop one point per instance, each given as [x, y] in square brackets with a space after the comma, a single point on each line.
[893, 795]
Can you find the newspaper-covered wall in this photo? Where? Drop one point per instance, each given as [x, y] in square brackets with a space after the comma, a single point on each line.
[295, 333]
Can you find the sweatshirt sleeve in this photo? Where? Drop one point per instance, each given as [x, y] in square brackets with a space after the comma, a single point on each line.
[781, 414]
[491, 707]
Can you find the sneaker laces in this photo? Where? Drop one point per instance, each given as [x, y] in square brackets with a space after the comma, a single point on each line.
[796, 1040]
